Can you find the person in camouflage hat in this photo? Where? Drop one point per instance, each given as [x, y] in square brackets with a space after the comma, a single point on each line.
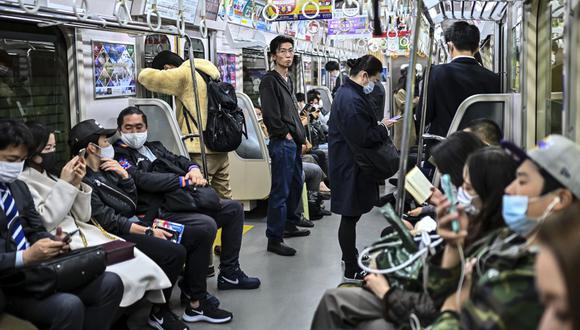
[499, 291]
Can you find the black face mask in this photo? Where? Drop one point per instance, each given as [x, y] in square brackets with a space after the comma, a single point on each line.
[49, 162]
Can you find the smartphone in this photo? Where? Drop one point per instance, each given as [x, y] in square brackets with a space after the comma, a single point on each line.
[82, 153]
[451, 193]
[396, 118]
[67, 237]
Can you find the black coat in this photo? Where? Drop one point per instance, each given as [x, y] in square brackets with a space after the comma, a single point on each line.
[30, 220]
[113, 201]
[151, 185]
[353, 194]
[279, 109]
[449, 85]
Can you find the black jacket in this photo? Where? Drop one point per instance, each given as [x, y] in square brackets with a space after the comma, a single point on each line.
[151, 185]
[449, 85]
[113, 201]
[280, 111]
[30, 220]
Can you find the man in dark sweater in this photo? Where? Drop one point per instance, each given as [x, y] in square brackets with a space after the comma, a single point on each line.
[281, 117]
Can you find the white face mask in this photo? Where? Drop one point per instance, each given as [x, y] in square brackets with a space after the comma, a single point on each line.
[107, 152]
[9, 171]
[134, 140]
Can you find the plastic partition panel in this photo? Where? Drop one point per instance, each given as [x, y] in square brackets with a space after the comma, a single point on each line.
[326, 97]
[162, 125]
[250, 147]
[481, 110]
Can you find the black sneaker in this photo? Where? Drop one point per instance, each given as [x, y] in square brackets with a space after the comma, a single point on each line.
[281, 249]
[206, 313]
[237, 279]
[293, 231]
[209, 298]
[210, 271]
[305, 223]
[164, 319]
[354, 277]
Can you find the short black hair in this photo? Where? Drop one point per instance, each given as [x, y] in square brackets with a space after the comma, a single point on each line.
[332, 66]
[312, 95]
[463, 35]
[368, 63]
[130, 111]
[300, 97]
[40, 134]
[487, 130]
[451, 154]
[14, 133]
[166, 57]
[279, 40]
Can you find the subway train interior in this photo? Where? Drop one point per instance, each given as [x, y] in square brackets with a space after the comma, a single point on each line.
[63, 62]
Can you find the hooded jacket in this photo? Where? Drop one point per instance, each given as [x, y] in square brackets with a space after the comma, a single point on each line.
[279, 108]
[178, 82]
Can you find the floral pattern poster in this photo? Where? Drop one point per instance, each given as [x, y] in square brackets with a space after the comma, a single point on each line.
[114, 69]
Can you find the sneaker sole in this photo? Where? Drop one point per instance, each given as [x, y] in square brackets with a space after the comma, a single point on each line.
[154, 325]
[203, 318]
[228, 286]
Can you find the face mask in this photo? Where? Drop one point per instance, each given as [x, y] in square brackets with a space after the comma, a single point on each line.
[369, 88]
[466, 200]
[514, 211]
[106, 152]
[134, 140]
[49, 162]
[9, 171]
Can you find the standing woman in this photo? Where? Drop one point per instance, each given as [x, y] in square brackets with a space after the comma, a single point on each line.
[352, 120]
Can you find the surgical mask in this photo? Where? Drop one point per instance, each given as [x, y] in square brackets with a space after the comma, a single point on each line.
[9, 171]
[106, 152]
[49, 162]
[369, 88]
[466, 200]
[514, 212]
[134, 140]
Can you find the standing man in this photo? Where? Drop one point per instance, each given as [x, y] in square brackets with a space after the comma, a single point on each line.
[171, 75]
[280, 111]
[450, 84]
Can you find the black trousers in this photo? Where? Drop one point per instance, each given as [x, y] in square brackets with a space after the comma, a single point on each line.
[91, 307]
[347, 241]
[166, 254]
[198, 238]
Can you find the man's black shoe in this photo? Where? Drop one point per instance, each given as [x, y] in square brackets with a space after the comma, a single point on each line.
[325, 212]
[293, 231]
[305, 223]
[281, 249]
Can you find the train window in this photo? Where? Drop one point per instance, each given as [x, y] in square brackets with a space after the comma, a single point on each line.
[34, 85]
[198, 49]
[554, 103]
[515, 57]
[254, 68]
[154, 44]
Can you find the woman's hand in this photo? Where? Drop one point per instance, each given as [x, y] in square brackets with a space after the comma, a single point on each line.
[80, 170]
[67, 173]
[415, 212]
[444, 223]
[378, 284]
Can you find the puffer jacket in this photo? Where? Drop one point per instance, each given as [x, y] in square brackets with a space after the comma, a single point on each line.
[113, 201]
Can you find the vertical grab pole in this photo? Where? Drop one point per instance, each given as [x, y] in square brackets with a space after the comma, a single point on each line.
[407, 120]
[424, 102]
[198, 112]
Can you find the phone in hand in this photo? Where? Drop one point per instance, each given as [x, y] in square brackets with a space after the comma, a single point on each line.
[451, 193]
[82, 153]
[396, 118]
[67, 237]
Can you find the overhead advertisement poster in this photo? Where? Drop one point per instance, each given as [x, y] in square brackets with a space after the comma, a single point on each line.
[227, 67]
[113, 69]
[349, 27]
[348, 9]
[291, 10]
[170, 8]
[246, 13]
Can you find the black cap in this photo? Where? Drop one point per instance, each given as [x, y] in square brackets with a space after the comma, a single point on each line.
[517, 153]
[82, 133]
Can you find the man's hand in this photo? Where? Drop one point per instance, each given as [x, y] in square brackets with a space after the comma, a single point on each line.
[161, 234]
[43, 249]
[378, 284]
[113, 166]
[387, 122]
[195, 177]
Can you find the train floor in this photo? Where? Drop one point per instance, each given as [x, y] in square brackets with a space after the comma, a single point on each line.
[291, 286]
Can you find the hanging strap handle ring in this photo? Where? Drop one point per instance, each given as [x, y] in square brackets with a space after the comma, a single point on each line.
[180, 23]
[82, 11]
[122, 12]
[347, 11]
[315, 4]
[265, 12]
[30, 9]
[154, 12]
[203, 27]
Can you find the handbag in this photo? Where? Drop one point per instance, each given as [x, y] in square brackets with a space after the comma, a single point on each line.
[64, 273]
[377, 163]
[118, 251]
[187, 199]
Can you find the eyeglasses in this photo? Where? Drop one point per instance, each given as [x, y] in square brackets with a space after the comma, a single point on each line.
[286, 51]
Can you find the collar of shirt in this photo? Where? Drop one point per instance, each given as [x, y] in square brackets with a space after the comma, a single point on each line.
[462, 56]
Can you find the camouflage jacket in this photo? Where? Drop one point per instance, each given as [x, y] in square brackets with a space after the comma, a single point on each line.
[503, 293]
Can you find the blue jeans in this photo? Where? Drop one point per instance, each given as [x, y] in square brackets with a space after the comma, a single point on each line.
[287, 183]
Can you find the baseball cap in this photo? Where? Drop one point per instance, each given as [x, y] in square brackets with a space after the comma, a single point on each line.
[555, 154]
[82, 133]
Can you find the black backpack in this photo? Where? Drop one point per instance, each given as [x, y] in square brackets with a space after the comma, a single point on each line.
[225, 120]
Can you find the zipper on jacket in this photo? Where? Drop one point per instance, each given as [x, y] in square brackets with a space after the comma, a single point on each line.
[99, 183]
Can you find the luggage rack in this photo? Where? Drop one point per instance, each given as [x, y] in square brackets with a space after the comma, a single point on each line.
[466, 10]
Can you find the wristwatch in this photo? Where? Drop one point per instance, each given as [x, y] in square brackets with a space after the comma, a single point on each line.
[149, 231]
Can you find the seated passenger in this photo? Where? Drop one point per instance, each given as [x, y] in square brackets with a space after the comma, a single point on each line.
[113, 206]
[138, 157]
[501, 293]
[301, 99]
[27, 242]
[379, 304]
[486, 130]
[64, 201]
[557, 271]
